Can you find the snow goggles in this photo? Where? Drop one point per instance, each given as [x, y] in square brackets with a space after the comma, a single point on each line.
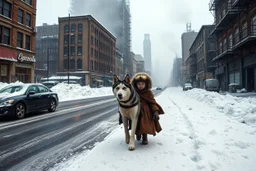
[140, 77]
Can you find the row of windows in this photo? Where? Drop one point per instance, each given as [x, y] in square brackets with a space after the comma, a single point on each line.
[5, 38]
[73, 28]
[239, 34]
[72, 51]
[73, 64]
[6, 10]
[73, 39]
[21, 18]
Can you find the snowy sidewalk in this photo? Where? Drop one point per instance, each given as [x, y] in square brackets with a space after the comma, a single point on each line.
[194, 137]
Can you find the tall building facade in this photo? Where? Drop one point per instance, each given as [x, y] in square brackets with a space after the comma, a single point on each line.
[87, 50]
[176, 79]
[147, 53]
[201, 54]
[235, 32]
[17, 40]
[46, 50]
[187, 39]
[115, 16]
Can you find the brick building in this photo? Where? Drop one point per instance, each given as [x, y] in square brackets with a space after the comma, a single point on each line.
[17, 40]
[92, 50]
[201, 54]
[235, 32]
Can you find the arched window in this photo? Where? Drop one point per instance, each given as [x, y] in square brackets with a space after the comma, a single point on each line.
[80, 27]
[92, 65]
[79, 64]
[65, 64]
[72, 64]
[73, 27]
[66, 28]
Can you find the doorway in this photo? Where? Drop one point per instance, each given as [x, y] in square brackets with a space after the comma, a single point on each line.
[250, 79]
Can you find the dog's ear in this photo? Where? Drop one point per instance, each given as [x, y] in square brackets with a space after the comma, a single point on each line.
[127, 78]
[115, 79]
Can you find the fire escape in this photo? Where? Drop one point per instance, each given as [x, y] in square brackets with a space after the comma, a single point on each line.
[224, 13]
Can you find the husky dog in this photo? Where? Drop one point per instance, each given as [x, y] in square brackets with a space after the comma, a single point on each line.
[129, 106]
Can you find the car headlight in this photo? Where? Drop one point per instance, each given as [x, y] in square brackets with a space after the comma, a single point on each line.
[8, 102]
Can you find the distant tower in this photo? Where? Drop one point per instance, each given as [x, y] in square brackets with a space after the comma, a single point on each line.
[147, 53]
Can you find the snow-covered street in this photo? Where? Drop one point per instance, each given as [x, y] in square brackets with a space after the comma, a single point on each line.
[201, 131]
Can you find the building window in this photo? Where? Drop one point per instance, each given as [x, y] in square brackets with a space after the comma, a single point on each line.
[91, 65]
[72, 64]
[65, 51]
[66, 29]
[79, 38]
[236, 36]
[73, 27]
[80, 27]
[91, 52]
[244, 30]
[92, 40]
[254, 25]
[79, 64]
[72, 51]
[65, 64]
[230, 41]
[224, 45]
[20, 16]
[66, 39]
[79, 50]
[5, 8]
[19, 40]
[73, 39]
[220, 50]
[29, 2]
[28, 44]
[7, 37]
[28, 20]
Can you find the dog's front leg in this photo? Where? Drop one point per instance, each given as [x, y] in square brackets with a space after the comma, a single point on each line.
[126, 130]
[134, 125]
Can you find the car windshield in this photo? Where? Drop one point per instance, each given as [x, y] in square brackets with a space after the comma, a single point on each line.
[16, 89]
[188, 84]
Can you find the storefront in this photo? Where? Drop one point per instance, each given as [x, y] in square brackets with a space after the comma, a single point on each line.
[24, 68]
[250, 72]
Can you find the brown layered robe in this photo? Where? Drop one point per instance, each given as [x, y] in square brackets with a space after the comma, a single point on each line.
[146, 124]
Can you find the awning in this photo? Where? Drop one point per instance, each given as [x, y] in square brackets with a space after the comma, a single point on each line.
[98, 80]
[7, 54]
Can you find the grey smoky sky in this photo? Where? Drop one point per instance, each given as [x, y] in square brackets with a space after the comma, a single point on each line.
[164, 20]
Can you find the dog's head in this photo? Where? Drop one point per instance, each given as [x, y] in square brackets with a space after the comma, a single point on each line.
[122, 88]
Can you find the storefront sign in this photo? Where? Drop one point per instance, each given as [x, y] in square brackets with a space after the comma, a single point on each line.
[22, 58]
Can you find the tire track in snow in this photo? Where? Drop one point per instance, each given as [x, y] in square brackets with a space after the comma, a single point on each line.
[195, 156]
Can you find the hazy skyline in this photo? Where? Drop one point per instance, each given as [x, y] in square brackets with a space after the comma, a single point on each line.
[164, 20]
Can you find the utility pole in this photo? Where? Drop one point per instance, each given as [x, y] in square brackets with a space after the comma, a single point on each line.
[48, 54]
[68, 44]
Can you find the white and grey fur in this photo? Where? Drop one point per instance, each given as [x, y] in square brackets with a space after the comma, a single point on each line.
[129, 106]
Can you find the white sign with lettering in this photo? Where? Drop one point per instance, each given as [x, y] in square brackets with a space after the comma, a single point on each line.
[25, 58]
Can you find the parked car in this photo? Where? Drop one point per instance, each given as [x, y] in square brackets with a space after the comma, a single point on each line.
[187, 86]
[50, 84]
[159, 88]
[211, 84]
[18, 100]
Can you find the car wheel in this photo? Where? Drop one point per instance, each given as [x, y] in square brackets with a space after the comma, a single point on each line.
[53, 106]
[20, 110]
